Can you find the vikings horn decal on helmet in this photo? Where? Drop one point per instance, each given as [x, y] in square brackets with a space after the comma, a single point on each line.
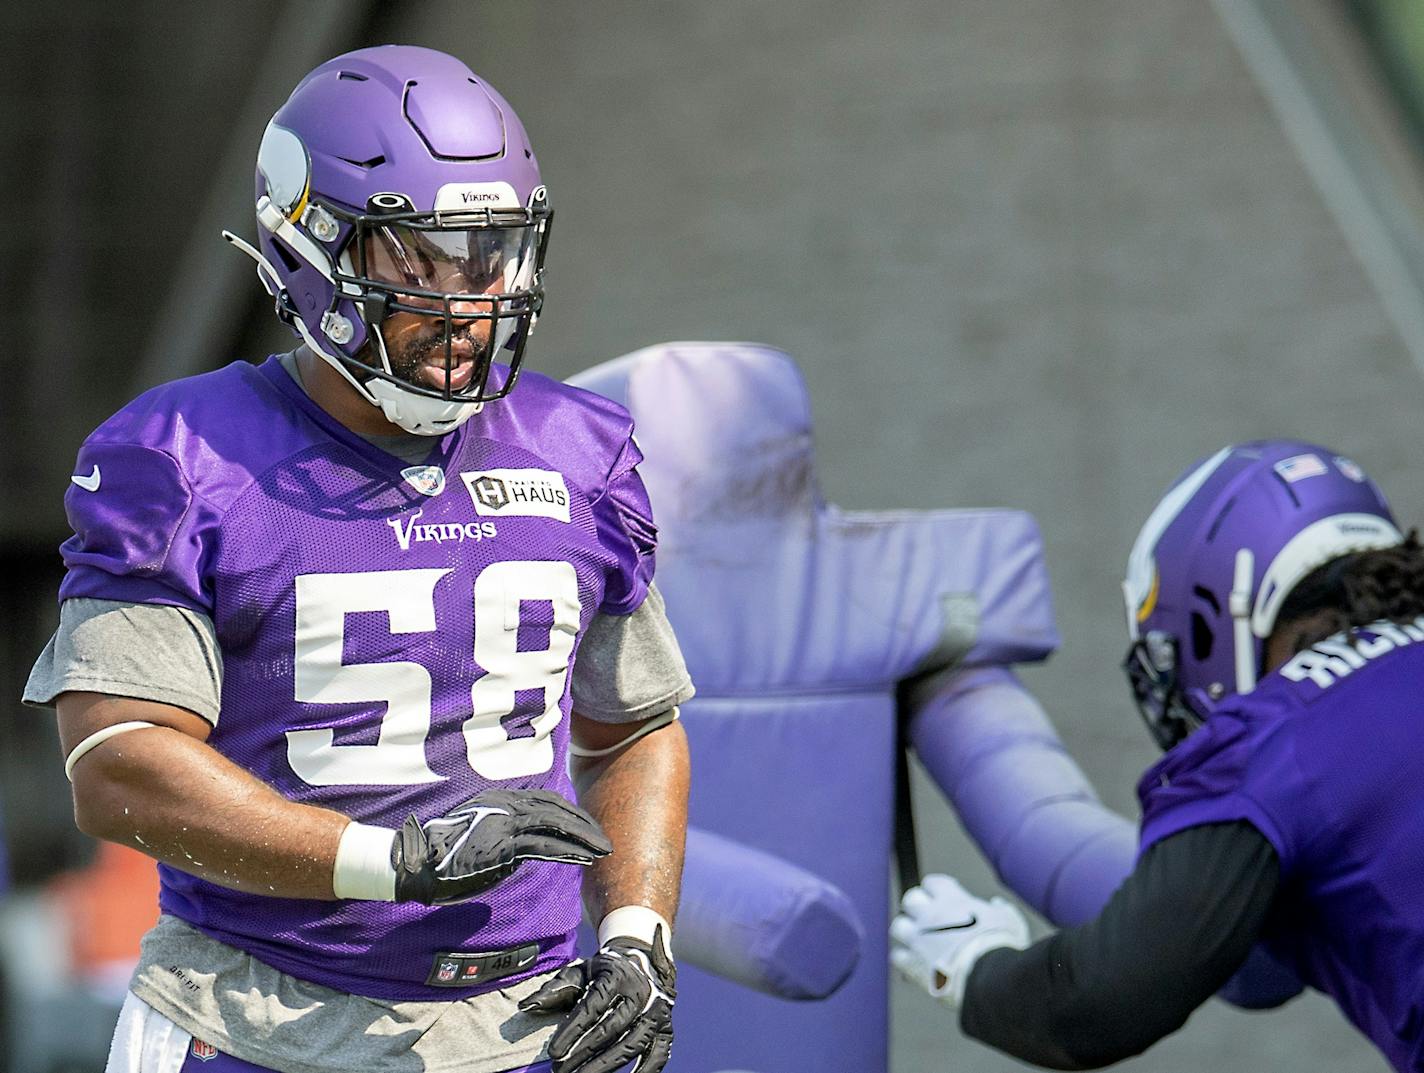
[402, 227]
[1216, 559]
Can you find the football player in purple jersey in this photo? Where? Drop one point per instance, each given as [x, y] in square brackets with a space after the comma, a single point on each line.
[340, 634]
[1276, 614]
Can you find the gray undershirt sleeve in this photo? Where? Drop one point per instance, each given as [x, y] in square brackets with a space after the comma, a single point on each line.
[629, 667]
[147, 651]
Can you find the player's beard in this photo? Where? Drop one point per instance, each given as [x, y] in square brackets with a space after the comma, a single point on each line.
[421, 361]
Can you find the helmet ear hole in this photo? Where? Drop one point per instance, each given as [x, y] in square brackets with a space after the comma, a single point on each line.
[289, 261]
[1202, 637]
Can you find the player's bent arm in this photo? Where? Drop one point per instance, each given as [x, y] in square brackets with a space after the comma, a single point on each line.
[1171, 935]
[632, 777]
[165, 792]
[638, 794]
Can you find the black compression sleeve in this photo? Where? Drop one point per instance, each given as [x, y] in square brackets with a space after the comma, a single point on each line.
[1171, 935]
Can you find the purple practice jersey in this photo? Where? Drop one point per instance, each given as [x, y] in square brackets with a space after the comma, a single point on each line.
[395, 638]
[1325, 759]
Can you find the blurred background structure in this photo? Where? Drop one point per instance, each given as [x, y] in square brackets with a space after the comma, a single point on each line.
[1038, 255]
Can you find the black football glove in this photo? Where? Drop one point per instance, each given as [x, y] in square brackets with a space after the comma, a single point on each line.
[621, 1001]
[471, 848]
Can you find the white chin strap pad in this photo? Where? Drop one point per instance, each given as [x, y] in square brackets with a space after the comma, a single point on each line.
[417, 414]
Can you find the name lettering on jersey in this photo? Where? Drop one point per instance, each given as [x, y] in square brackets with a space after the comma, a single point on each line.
[408, 532]
[1339, 656]
[530, 493]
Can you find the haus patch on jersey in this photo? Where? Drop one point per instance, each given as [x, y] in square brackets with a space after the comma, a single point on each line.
[505, 493]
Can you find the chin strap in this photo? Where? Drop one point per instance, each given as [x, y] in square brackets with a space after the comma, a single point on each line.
[267, 276]
[415, 413]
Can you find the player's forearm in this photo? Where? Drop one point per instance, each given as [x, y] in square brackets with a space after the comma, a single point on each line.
[638, 795]
[177, 800]
[1171, 935]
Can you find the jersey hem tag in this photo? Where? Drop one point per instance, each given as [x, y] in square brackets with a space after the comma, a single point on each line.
[467, 969]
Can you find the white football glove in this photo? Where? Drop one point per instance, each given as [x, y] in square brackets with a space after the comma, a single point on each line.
[943, 930]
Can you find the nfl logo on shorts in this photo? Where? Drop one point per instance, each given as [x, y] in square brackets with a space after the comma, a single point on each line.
[205, 1052]
[447, 971]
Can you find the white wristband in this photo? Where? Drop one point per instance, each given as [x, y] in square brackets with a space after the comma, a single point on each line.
[635, 922]
[363, 864]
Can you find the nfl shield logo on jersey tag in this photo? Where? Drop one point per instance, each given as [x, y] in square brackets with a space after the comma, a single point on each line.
[427, 480]
[447, 971]
[204, 1052]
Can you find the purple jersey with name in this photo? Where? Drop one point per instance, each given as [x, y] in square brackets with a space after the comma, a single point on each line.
[1324, 758]
[395, 638]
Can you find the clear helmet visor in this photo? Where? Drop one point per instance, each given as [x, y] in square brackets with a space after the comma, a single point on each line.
[473, 262]
[447, 300]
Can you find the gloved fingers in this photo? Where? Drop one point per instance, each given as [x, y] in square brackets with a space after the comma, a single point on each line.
[606, 1033]
[531, 847]
[657, 1054]
[540, 811]
[916, 902]
[593, 1006]
[622, 1051]
[588, 837]
[559, 992]
[904, 930]
[945, 888]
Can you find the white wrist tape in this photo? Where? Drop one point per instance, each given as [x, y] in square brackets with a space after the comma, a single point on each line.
[657, 722]
[635, 922]
[98, 738]
[363, 864]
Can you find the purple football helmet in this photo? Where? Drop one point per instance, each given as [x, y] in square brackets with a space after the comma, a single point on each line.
[1217, 558]
[402, 227]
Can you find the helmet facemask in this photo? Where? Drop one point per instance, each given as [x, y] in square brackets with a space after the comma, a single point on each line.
[442, 295]
[1151, 667]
